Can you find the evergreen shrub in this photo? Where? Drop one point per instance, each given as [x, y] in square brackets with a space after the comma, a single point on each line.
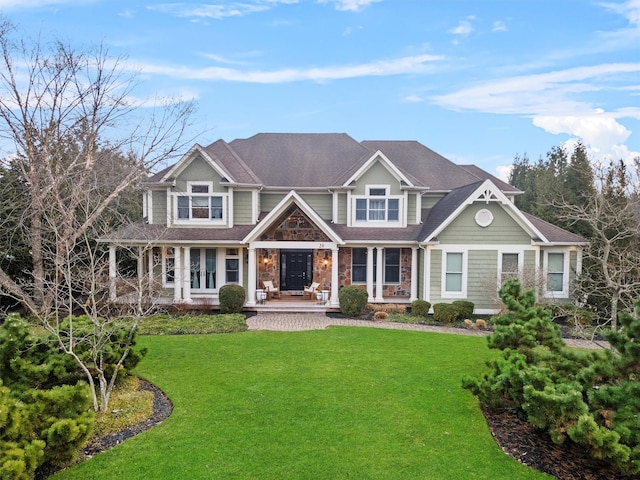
[465, 308]
[353, 300]
[232, 298]
[445, 313]
[420, 308]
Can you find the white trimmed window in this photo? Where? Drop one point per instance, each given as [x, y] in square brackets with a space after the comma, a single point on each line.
[391, 266]
[377, 205]
[556, 274]
[200, 204]
[359, 265]
[232, 266]
[168, 267]
[509, 266]
[454, 275]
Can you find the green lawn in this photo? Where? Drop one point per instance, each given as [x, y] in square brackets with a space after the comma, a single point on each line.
[354, 403]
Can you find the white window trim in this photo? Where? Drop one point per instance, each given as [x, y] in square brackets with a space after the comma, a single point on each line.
[364, 282]
[237, 256]
[384, 269]
[165, 256]
[443, 285]
[386, 197]
[200, 221]
[520, 254]
[565, 273]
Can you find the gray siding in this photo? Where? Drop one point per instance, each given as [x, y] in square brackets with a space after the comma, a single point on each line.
[436, 276]
[482, 278]
[342, 208]
[321, 204]
[198, 171]
[268, 201]
[242, 208]
[159, 207]
[411, 208]
[377, 174]
[504, 230]
[430, 201]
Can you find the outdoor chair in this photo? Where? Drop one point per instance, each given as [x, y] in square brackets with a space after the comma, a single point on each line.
[311, 290]
[270, 289]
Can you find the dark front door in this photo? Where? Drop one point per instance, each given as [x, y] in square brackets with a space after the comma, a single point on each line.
[296, 269]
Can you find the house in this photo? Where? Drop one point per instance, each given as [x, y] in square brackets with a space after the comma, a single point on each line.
[395, 217]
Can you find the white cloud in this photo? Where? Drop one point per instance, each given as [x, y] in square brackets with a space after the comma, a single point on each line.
[503, 172]
[350, 5]
[463, 28]
[12, 4]
[498, 26]
[398, 66]
[216, 11]
[560, 102]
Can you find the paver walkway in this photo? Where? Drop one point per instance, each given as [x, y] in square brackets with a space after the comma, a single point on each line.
[291, 322]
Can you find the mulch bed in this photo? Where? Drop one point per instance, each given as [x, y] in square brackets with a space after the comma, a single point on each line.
[162, 408]
[534, 448]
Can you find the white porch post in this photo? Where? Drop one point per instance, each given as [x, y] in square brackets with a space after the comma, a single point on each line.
[334, 277]
[370, 273]
[538, 277]
[140, 268]
[252, 277]
[186, 286]
[150, 269]
[112, 272]
[414, 274]
[379, 270]
[426, 294]
[177, 281]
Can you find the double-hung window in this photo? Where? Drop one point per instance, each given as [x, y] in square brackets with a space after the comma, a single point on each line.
[377, 206]
[556, 267]
[358, 265]
[200, 203]
[232, 266]
[509, 267]
[168, 267]
[453, 275]
[391, 265]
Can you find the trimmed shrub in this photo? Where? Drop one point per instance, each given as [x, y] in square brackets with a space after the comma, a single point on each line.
[420, 308]
[353, 300]
[445, 313]
[232, 298]
[381, 315]
[465, 308]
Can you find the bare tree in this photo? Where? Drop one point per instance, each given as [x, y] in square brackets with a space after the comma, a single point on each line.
[68, 114]
[79, 144]
[610, 278]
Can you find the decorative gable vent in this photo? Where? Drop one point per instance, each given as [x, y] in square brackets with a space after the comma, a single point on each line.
[487, 196]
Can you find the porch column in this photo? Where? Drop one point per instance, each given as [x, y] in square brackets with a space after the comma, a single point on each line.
[334, 277]
[186, 285]
[537, 275]
[112, 273]
[252, 277]
[379, 271]
[414, 274]
[150, 269]
[370, 273]
[140, 269]
[426, 266]
[177, 281]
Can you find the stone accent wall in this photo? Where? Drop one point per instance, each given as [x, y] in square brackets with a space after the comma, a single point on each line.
[401, 290]
[294, 226]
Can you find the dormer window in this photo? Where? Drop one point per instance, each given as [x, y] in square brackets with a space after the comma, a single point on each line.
[200, 204]
[377, 205]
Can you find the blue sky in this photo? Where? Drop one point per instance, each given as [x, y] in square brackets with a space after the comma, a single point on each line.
[479, 81]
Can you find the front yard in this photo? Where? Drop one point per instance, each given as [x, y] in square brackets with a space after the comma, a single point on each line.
[339, 403]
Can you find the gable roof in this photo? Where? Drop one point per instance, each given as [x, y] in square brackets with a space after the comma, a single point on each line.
[299, 160]
[290, 199]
